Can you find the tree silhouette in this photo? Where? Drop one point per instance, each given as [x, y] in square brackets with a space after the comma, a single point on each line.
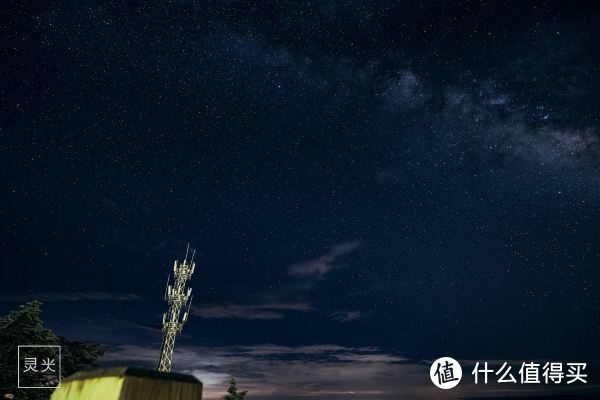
[24, 327]
[233, 393]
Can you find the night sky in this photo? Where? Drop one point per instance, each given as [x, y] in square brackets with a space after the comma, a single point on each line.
[369, 186]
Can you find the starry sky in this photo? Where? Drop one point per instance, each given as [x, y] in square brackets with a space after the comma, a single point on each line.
[369, 186]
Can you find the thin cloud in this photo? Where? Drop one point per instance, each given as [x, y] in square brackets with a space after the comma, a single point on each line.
[323, 264]
[272, 371]
[316, 349]
[277, 302]
[253, 311]
[320, 371]
[50, 297]
[346, 316]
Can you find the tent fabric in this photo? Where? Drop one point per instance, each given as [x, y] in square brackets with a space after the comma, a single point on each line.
[128, 384]
[107, 388]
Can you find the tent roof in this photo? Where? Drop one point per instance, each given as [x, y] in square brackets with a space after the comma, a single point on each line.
[129, 371]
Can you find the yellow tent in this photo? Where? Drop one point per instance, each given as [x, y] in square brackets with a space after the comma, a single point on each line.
[124, 383]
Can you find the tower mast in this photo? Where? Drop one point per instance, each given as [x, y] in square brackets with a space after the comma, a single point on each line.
[178, 297]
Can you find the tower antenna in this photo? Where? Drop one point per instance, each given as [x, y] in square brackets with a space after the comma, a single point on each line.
[177, 296]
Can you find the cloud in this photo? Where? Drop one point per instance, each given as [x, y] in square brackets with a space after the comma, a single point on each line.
[269, 371]
[323, 264]
[277, 350]
[347, 316]
[153, 328]
[276, 302]
[69, 297]
[251, 311]
[320, 371]
[386, 358]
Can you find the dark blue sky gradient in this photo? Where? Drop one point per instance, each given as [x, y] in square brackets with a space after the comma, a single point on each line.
[397, 180]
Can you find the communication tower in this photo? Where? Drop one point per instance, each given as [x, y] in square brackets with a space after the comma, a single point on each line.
[179, 297]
